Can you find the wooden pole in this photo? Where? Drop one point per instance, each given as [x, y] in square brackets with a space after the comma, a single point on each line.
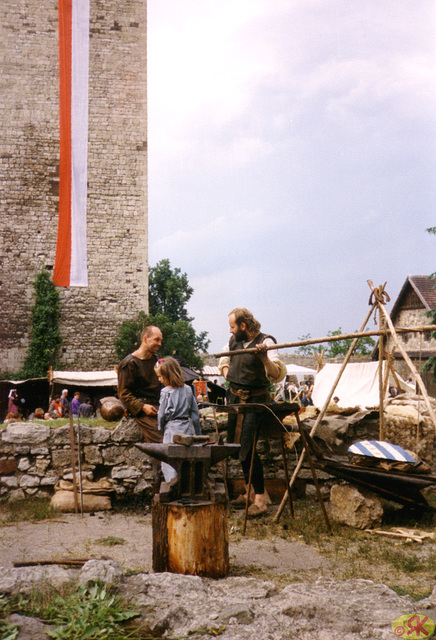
[405, 356]
[73, 463]
[344, 336]
[79, 448]
[321, 414]
[381, 429]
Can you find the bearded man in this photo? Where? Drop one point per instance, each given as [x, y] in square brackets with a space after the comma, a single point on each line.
[249, 376]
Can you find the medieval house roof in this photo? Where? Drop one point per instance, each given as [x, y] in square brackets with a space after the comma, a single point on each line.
[418, 292]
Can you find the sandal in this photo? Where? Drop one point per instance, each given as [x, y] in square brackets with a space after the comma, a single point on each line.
[255, 512]
[239, 502]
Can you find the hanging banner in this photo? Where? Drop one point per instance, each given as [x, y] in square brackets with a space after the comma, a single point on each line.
[71, 258]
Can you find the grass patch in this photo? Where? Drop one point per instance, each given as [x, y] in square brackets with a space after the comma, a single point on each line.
[90, 422]
[109, 541]
[28, 510]
[93, 612]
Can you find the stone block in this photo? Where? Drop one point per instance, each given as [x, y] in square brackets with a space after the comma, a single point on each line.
[355, 507]
[113, 455]
[127, 431]
[27, 481]
[61, 458]
[9, 481]
[22, 433]
[92, 454]
[49, 481]
[61, 436]
[24, 464]
[8, 466]
[125, 473]
[100, 435]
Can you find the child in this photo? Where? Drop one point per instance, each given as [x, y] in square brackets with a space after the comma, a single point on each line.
[178, 410]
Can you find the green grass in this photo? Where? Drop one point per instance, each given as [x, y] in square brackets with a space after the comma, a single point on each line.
[91, 422]
[61, 422]
[28, 510]
[93, 612]
[109, 541]
[405, 567]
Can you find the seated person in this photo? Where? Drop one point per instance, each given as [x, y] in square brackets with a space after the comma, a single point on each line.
[86, 409]
[55, 408]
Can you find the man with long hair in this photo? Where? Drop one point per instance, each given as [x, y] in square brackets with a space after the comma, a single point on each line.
[249, 376]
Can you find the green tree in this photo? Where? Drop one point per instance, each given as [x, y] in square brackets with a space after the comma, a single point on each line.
[308, 349]
[363, 347]
[337, 347]
[169, 292]
[45, 338]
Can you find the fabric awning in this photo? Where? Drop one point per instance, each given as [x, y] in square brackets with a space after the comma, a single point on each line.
[86, 378]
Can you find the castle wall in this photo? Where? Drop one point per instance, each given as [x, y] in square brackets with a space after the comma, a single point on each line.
[117, 177]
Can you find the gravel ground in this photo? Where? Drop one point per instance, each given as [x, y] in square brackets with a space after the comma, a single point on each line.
[73, 536]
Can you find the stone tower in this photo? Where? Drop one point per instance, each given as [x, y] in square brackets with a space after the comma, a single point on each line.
[117, 177]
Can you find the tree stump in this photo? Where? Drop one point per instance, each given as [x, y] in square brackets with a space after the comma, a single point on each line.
[191, 539]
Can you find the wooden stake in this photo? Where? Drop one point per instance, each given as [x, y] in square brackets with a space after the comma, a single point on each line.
[405, 356]
[322, 413]
[73, 463]
[381, 429]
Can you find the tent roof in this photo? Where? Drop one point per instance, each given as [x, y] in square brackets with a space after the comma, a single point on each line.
[211, 371]
[300, 372]
[86, 378]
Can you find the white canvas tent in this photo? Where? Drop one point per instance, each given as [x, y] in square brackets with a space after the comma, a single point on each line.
[358, 386]
[301, 373]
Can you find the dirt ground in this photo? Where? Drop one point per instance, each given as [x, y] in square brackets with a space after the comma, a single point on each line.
[127, 538]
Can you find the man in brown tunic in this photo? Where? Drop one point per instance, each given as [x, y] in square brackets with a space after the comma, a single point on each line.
[138, 385]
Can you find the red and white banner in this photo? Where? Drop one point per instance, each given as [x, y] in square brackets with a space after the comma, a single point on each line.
[71, 259]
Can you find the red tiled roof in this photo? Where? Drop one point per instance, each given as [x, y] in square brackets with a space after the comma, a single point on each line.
[423, 286]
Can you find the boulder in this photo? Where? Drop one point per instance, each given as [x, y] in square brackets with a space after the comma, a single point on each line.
[355, 507]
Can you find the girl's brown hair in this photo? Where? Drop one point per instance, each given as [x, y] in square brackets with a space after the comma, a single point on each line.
[170, 369]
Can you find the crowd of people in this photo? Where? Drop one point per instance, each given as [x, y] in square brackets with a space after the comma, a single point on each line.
[59, 407]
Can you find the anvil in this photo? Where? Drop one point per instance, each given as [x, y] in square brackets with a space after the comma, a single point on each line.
[192, 464]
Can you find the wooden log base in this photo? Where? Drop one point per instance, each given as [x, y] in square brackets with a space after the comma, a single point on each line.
[191, 539]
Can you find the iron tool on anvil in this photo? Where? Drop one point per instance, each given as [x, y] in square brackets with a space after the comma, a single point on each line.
[249, 375]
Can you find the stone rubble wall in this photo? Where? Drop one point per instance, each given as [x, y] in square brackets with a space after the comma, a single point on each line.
[34, 457]
[117, 177]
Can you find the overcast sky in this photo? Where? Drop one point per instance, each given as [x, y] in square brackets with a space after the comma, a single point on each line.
[292, 155]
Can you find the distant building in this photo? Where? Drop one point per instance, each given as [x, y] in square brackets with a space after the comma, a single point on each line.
[416, 298]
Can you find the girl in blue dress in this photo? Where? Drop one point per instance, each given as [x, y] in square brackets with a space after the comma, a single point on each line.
[178, 410]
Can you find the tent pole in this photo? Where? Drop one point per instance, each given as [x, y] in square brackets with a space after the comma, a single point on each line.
[407, 359]
[79, 462]
[382, 327]
[73, 463]
[322, 412]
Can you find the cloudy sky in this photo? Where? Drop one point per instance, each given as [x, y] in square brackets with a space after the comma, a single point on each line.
[292, 155]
